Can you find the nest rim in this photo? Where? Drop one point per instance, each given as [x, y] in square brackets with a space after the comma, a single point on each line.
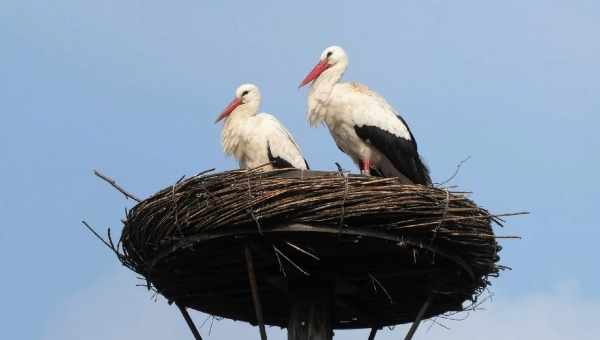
[251, 232]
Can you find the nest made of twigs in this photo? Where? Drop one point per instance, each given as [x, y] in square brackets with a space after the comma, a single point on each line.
[380, 246]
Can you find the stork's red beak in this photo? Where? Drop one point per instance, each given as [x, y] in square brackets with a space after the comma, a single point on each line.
[316, 71]
[229, 109]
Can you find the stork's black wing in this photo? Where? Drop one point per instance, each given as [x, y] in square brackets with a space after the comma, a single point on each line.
[277, 161]
[400, 151]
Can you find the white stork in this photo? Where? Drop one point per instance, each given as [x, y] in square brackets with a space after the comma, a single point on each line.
[362, 123]
[255, 139]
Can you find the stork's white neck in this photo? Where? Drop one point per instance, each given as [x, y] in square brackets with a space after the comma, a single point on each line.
[320, 92]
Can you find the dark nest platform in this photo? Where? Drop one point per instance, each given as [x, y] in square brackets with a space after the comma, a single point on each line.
[351, 251]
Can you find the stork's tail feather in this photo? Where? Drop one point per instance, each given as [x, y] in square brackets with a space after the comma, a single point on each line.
[422, 173]
[420, 176]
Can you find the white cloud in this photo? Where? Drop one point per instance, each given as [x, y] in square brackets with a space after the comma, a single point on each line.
[113, 308]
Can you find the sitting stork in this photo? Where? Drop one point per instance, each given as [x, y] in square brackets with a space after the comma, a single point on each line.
[256, 139]
[362, 123]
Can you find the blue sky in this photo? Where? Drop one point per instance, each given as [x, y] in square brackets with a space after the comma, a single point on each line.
[133, 87]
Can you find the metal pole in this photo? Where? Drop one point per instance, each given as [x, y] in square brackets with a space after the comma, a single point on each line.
[189, 321]
[254, 289]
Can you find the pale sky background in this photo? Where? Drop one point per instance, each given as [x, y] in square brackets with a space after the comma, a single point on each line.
[133, 87]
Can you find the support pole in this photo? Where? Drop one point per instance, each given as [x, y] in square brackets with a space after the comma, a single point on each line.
[420, 314]
[254, 289]
[373, 333]
[310, 311]
[189, 322]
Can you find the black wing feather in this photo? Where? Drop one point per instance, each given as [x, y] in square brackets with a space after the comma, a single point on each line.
[400, 151]
[276, 161]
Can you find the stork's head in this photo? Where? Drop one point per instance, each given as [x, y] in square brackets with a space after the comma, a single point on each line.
[247, 99]
[333, 57]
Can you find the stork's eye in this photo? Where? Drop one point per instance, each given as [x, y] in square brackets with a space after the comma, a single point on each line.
[329, 54]
[245, 93]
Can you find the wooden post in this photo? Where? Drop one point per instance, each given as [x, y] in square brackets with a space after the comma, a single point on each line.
[310, 312]
[254, 290]
[420, 314]
[373, 333]
[189, 322]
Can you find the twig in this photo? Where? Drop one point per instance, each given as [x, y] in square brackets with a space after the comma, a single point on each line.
[455, 319]
[255, 219]
[204, 172]
[374, 279]
[455, 171]
[281, 268]
[303, 251]
[106, 243]
[511, 214]
[212, 320]
[343, 204]
[116, 186]
[437, 228]
[112, 244]
[435, 322]
[290, 261]
[205, 321]
[251, 212]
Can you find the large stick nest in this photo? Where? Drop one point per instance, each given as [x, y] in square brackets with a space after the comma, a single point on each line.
[380, 247]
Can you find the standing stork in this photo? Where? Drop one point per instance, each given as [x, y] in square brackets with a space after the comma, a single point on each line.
[362, 123]
[256, 139]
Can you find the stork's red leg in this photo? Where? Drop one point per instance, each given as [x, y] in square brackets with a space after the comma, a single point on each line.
[365, 166]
